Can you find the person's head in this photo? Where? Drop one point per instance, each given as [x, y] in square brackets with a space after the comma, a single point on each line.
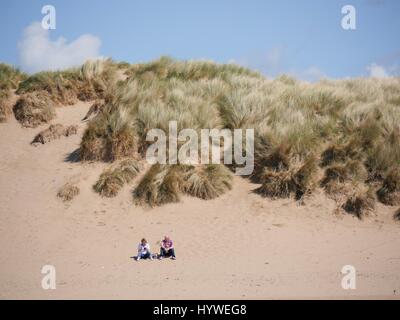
[143, 241]
[166, 238]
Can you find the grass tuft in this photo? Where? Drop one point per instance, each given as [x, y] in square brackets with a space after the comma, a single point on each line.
[160, 185]
[34, 109]
[112, 180]
[360, 203]
[53, 132]
[396, 215]
[389, 193]
[208, 181]
[67, 192]
[298, 180]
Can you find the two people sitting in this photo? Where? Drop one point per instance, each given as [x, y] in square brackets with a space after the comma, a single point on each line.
[166, 249]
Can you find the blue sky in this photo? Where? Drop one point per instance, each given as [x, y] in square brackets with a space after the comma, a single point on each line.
[299, 37]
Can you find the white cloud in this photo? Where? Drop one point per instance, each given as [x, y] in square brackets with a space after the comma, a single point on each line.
[377, 71]
[37, 52]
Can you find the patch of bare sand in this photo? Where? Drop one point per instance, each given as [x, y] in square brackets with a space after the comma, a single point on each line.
[237, 246]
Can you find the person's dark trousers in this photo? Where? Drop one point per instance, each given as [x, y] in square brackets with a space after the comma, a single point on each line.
[145, 255]
[167, 253]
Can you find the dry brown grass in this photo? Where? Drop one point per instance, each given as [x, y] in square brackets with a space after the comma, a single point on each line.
[166, 183]
[270, 158]
[67, 192]
[94, 109]
[349, 122]
[351, 125]
[299, 179]
[396, 215]
[339, 153]
[360, 203]
[118, 141]
[34, 109]
[5, 105]
[89, 82]
[352, 170]
[276, 184]
[113, 179]
[53, 132]
[389, 193]
[160, 185]
[10, 77]
[207, 181]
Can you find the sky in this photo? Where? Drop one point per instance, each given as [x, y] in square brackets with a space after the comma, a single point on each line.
[303, 38]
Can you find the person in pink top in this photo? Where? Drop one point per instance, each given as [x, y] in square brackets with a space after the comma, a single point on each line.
[167, 248]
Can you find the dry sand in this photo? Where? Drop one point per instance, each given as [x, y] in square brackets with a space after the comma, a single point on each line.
[237, 246]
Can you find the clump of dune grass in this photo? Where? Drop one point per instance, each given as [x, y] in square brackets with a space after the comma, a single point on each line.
[96, 78]
[9, 79]
[67, 192]
[337, 174]
[53, 132]
[94, 109]
[297, 180]
[111, 137]
[66, 87]
[59, 86]
[396, 215]
[164, 184]
[389, 193]
[112, 180]
[384, 154]
[360, 202]
[276, 184]
[160, 185]
[208, 181]
[269, 157]
[5, 105]
[167, 68]
[351, 125]
[339, 153]
[33, 109]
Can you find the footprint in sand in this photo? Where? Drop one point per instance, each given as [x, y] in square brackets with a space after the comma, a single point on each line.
[278, 225]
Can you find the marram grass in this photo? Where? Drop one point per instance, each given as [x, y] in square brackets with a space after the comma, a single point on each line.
[341, 136]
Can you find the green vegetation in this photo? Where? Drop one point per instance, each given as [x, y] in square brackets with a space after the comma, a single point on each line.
[166, 183]
[360, 202]
[9, 80]
[33, 109]
[113, 179]
[340, 135]
[68, 86]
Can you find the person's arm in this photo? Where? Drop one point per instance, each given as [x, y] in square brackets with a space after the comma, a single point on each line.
[139, 249]
[162, 244]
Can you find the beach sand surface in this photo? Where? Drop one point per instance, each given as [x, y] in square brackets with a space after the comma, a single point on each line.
[238, 246]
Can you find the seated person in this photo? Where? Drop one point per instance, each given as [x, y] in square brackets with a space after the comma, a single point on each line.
[167, 248]
[144, 250]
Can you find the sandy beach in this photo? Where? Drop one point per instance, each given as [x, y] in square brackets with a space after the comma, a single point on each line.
[238, 246]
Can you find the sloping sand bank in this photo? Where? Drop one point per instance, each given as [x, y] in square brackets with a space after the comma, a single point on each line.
[237, 246]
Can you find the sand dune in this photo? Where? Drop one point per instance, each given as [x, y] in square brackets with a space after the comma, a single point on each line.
[237, 246]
